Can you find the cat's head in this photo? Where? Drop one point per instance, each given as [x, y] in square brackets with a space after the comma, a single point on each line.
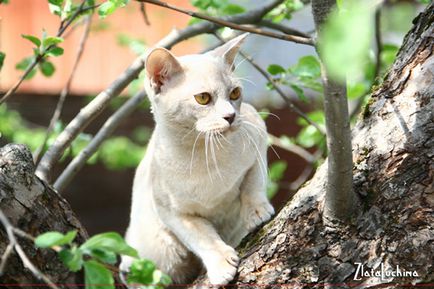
[196, 91]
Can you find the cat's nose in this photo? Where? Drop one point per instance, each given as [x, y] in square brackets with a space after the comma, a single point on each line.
[230, 117]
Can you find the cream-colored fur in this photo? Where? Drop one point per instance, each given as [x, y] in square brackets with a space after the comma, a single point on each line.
[201, 186]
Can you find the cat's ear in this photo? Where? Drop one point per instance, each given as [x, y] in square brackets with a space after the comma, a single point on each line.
[160, 66]
[229, 50]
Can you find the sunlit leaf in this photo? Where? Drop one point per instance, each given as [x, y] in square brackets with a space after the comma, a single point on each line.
[111, 242]
[51, 239]
[47, 68]
[97, 276]
[345, 38]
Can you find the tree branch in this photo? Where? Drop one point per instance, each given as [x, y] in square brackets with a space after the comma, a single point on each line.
[96, 106]
[144, 14]
[41, 55]
[340, 199]
[282, 28]
[106, 130]
[13, 243]
[65, 90]
[222, 22]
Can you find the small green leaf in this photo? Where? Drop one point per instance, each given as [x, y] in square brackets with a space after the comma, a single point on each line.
[299, 91]
[72, 258]
[106, 9]
[307, 66]
[111, 241]
[274, 69]
[52, 40]
[24, 64]
[55, 51]
[232, 9]
[56, 2]
[47, 68]
[51, 239]
[104, 256]
[97, 276]
[35, 40]
[2, 59]
[141, 272]
[277, 169]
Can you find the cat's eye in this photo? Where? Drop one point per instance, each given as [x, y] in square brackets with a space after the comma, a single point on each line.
[203, 98]
[235, 94]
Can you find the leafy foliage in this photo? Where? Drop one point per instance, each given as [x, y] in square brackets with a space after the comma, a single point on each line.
[115, 153]
[277, 171]
[96, 253]
[345, 39]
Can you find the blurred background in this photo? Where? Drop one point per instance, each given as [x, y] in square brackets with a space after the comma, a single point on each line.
[101, 192]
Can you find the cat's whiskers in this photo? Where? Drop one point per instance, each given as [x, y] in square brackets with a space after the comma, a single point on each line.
[192, 151]
[262, 113]
[207, 136]
[259, 158]
[189, 132]
[246, 80]
[220, 135]
[265, 133]
[213, 155]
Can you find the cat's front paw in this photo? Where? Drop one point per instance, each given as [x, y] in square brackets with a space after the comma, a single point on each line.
[256, 214]
[222, 266]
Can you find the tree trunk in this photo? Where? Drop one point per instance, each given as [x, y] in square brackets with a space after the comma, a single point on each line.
[393, 150]
[35, 208]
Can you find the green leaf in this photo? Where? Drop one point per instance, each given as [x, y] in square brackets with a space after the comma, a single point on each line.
[277, 170]
[97, 276]
[4, 1]
[111, 241]
[35, 40]
[141, 272]
[345, 38]
[104, 256]
[106, 9]
[299, 91]
[47, 68]
[72, 258]
[2, 59]
[51, 239]
[52, 40]
[24, 64]
[274, 69]
[307, 66]
[55, 51]
[232, 9]
[56, 2]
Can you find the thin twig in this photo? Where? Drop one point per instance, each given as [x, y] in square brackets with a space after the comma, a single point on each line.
[221, 22]
[340, 202]
[282, 28]
[293, 148]
[106, 130]
[290, 104]
[65, 90]
[26, 261]
[96, 106]
[41, 55]
[144, 14]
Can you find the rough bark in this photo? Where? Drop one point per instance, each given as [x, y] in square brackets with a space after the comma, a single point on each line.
[393, 151]
[35, 208]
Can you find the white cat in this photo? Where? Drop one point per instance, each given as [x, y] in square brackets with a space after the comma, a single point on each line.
[201, 186]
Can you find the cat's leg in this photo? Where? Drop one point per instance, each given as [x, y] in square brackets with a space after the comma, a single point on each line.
[255, 207]
[199, 236]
